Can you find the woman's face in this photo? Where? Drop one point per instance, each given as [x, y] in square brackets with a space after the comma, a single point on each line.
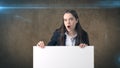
[70, 21]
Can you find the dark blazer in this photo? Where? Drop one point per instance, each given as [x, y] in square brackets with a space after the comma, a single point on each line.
[56, 42]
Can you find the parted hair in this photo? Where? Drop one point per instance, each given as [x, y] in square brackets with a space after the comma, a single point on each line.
[78, 29]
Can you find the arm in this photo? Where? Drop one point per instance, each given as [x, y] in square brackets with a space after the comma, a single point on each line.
[54, 38]
[85, 38]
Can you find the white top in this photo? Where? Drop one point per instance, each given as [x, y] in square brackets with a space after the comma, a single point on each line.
[70, 40]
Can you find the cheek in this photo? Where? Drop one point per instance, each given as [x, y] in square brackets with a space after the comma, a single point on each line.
[74, 23]
[65, 23]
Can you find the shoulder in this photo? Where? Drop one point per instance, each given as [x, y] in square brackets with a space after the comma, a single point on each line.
[84, 32]
[56, 33]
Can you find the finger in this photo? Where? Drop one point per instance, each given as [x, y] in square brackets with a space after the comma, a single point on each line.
[42, 44]
[39, 43]
[84, 45]
[81, 45]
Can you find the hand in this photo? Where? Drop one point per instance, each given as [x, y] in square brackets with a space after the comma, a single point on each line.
[82, 45]
[41, 44]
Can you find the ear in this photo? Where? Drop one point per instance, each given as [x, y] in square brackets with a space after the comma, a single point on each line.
[77, 20]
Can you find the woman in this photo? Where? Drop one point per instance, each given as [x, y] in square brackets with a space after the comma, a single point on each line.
[70, 33]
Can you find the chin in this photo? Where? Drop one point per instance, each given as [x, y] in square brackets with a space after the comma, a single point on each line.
[69, 30]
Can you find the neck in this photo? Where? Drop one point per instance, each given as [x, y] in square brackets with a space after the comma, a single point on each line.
[71, 33]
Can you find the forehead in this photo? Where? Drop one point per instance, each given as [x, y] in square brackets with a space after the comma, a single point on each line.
[68, 15]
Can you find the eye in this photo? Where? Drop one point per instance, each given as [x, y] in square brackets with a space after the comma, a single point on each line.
[65, 19]
[71, 19]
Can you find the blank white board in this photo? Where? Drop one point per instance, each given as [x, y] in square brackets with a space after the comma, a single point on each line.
[63, 57]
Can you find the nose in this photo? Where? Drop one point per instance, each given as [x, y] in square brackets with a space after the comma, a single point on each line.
[68, 21]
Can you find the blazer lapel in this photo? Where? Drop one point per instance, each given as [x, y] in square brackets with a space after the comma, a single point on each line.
[64, 40]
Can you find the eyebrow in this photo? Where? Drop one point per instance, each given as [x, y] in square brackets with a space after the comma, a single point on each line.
[71, 18]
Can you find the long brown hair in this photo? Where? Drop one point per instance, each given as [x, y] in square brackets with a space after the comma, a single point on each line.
[78, 29]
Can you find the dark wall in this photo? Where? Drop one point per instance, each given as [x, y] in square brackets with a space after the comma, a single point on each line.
[21, 29]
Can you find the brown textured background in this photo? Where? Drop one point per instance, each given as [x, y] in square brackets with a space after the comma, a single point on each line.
[21, 29]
